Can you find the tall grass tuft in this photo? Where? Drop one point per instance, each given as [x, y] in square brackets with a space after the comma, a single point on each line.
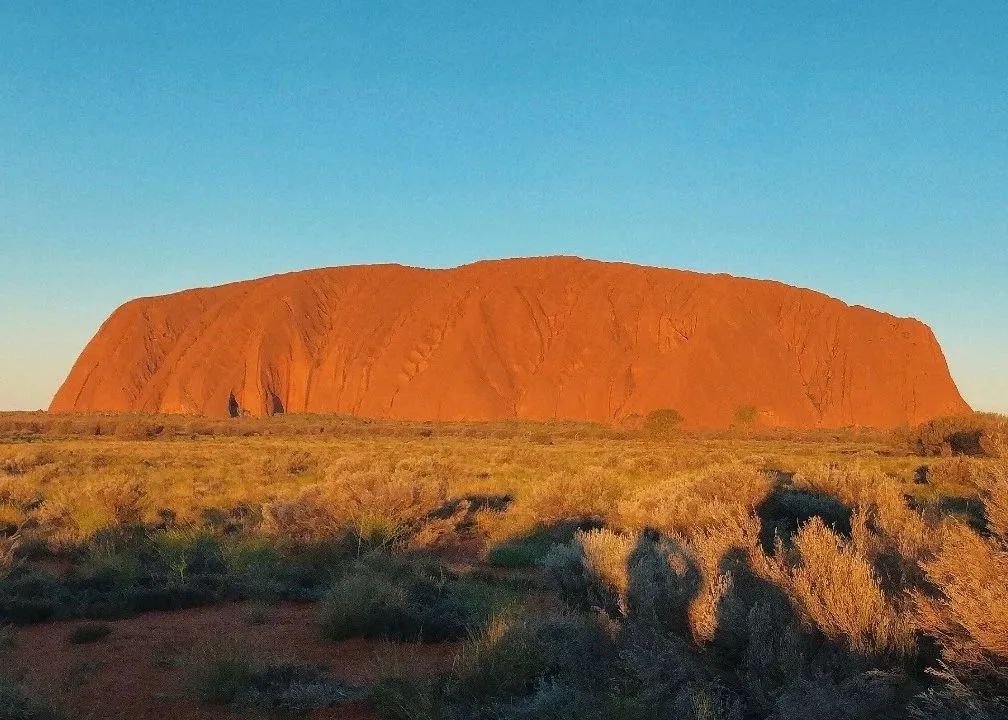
[836, 589]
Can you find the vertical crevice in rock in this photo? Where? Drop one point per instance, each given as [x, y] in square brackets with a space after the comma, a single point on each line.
[234, 409]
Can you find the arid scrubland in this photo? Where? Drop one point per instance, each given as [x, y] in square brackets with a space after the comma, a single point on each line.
[586, 571]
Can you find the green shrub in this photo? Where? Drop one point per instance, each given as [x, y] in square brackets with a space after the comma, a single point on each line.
[408, 602]
[593, 570]
[517, 652]
[228, 677]
[521, 552]
[124, 571]
[506, 658]
[363, 605]
[31, 596]
[186, 552]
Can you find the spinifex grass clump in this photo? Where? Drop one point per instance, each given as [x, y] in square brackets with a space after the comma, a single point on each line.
[227, 676]
[385, 597]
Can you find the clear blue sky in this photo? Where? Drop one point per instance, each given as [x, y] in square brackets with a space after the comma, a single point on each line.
[857, 148]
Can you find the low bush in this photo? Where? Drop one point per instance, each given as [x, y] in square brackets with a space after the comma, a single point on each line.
[407, 601]
[520, 552]
[226, 676]
[662, 420]
[506, 658]
[376, 506]
[992, 481]
[518, 652]
[593, 571]
[952, 699]
[979, 434]
[127, 571]
[859, 696]
[965, 607]
[136, 429]
[503, 670]
[694, 499]
[837, 589]
[581, 497]
[677, 582]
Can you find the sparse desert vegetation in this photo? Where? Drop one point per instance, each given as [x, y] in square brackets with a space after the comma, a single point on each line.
[554, 570]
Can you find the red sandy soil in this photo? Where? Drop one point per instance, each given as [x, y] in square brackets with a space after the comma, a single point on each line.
[141, 669]
[536, 338]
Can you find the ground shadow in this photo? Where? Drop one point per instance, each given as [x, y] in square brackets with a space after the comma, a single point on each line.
[788, 507]
[761, 660]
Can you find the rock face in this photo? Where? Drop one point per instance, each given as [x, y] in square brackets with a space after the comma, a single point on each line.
[535, 338]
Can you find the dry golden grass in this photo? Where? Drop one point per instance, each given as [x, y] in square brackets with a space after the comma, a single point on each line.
[605, 559]
[728, 537]
[967, 612]
[695, 498]
[992, 481]
[674, 531]
[837, 589]
[306, 478]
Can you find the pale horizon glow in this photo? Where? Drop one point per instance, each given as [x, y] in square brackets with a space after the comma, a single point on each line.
[858, 151]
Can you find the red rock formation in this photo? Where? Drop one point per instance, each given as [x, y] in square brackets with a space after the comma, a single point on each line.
[531, 338]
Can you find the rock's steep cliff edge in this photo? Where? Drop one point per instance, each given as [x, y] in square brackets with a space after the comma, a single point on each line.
[531, 338]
